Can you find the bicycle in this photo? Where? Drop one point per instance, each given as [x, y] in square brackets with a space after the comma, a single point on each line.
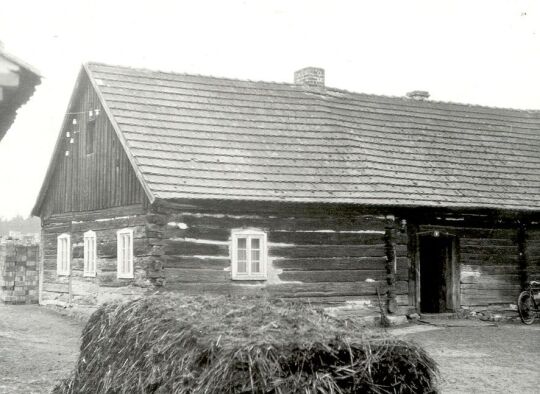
[527, 305]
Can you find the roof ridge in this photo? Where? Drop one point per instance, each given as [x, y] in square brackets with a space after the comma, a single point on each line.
[417, 103]
[430, 101]
[153, 70]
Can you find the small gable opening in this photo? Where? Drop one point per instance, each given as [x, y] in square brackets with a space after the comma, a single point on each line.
[90, 136]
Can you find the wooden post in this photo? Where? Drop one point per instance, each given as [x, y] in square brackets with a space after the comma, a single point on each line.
[522, 255]
[391, 267]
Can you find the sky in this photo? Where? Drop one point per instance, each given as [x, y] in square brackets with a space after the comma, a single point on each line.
[480, 52]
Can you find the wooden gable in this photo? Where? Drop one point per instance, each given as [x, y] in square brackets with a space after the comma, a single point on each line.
[81, 177]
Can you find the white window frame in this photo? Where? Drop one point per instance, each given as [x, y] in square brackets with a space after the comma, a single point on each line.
[249, 234]
[124, 269]
[63, 254]
[90, 253]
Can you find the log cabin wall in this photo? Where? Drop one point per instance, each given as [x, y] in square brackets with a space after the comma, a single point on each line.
[532, 253]
[82, 181]
[322, 255]
[76, 289]
[488, 258]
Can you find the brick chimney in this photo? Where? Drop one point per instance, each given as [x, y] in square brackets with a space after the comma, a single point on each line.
[310, 76]
[418, 95]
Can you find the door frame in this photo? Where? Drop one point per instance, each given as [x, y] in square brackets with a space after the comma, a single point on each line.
[453, 290]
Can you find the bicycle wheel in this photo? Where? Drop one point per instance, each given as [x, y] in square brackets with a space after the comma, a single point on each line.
[525, 306]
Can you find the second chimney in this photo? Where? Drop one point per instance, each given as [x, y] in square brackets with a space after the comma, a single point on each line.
[418, 95]
[310, 76]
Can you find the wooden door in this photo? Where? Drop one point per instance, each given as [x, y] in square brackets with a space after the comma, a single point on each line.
[439, 277]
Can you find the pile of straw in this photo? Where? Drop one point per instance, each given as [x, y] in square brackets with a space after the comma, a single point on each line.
[181, 344]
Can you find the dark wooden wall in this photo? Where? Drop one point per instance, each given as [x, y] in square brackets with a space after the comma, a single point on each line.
[532, 253]
[86, 182]
[488, 263]
[105, 286]
[322, 256]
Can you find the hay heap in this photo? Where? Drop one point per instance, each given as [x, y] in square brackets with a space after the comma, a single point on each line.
[181, 344]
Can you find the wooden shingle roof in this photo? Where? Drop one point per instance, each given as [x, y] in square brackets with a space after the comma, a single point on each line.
[193, 136]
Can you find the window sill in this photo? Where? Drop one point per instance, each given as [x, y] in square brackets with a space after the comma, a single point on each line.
[62, 273]
[89, 274]
[250, 277]
[125, 276]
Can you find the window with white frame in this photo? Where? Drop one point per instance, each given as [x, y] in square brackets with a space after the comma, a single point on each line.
[248, 254]
[90, 253]
[63, 254]
[125, 253]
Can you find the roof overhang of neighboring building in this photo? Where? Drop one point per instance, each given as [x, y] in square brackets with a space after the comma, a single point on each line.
[18, 81]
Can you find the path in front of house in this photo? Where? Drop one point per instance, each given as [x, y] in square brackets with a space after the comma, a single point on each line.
[38, 347]
[478, 357]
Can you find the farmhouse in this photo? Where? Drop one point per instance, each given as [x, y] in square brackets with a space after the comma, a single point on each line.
[165, 181]
[17, 84]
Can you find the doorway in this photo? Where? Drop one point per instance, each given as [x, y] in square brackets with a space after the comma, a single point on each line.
[439, 281]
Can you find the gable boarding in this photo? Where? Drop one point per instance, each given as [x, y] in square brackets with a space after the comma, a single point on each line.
[90, 178]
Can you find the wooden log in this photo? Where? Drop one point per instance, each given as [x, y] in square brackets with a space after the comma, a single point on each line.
[316, 264]
[333, 275]
[533, 233]
[196, 232]
[489, 242]
[51, 276]
[227, 288]
[108, 249]
[110, 224]
[484, 269]
[489, 297]
[178, 275]
[195, 262]
[97, 214]
[473, 232]
[489, 250]
[57, 228]
[110, 279]
[56, 287]
[187, 248]
[89, 299]
[84, 288]
[495, 279]
[532, 249]
[289, 291]
[325, 238]
[327, 251]
[139, 232]
[356, 302]
[273, 223]
[294, 290]
[488, 259]
[472, 287]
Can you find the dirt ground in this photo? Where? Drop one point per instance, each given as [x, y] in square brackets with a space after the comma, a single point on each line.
[38, 346]
[482, 357]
